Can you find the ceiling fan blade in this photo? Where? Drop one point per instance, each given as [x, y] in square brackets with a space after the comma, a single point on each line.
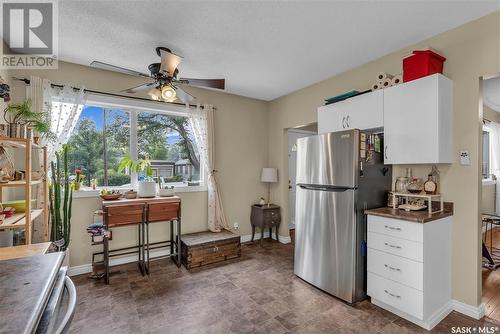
[211, 83]
[182, 95]
[140, 88]
[169, 62]
[109, 67]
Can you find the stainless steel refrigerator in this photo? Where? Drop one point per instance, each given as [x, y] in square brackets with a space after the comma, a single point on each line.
[339, 175]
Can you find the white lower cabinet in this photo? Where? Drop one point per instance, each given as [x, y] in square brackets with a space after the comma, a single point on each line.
[409, 268]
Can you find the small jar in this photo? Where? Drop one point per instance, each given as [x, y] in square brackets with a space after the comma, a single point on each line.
[416, 186]
[401, 185]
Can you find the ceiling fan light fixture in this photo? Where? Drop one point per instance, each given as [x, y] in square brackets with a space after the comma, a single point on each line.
[155, 94]
[168, 93]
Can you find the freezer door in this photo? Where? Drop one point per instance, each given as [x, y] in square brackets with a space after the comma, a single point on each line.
[325, 240]
[329, 159]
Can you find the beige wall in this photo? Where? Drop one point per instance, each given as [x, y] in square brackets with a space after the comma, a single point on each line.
[472, 50]
[241, 152]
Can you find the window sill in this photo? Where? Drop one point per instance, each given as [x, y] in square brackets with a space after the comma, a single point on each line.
[90, 193]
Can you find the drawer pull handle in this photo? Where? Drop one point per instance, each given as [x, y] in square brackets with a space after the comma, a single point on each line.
[393, 228]
[391, 268]
[391, 294]
[392, 246]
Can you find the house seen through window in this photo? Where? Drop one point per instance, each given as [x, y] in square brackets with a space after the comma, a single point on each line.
[103, 136]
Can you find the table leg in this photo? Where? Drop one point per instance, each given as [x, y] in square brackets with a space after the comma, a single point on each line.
[139, 241]
[147, 247]
[106, 259]
[270, 234]
[253, 231]
[179, 242]
[277, 235]
[262, 229]
[171, 237]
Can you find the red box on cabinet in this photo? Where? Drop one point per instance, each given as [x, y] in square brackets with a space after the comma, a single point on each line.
[421, 64]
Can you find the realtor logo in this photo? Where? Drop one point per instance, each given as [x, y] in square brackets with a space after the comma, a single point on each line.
[29, 31]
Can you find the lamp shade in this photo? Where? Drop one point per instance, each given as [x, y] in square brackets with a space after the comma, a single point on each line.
[269, 175]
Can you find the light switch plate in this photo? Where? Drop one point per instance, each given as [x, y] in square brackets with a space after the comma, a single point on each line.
[464, 158]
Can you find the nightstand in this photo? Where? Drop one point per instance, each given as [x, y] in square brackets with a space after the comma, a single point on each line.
[264, 216]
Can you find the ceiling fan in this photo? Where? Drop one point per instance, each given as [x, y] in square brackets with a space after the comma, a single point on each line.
[163, 81]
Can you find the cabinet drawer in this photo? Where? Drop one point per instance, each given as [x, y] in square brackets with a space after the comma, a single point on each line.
[396, 228]
[396, 268]
[403, 298]
[272, 215]
[400, 247]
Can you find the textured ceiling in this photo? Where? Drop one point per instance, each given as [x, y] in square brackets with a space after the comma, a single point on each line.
[264, 49]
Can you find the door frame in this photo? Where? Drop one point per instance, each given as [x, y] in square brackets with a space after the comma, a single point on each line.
[291, 208]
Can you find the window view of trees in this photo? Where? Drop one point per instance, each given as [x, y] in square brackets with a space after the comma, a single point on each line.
[167, 140]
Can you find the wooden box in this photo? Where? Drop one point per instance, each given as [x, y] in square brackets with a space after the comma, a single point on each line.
[202, 248]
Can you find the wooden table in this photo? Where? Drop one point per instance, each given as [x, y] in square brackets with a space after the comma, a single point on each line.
[156, 209]
[15, 252]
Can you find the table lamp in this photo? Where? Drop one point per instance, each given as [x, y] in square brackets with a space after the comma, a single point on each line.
[269, 175]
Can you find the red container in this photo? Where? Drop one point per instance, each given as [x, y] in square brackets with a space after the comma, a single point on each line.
[421, 64]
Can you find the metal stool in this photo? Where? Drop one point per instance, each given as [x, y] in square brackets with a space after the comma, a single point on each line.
[124, 215]
[160, 212]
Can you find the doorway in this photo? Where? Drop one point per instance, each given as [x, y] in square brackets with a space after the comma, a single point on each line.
[293, 135]
[490, 197]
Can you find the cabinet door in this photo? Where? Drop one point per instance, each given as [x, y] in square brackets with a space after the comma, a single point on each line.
[365, 111]
[360, 112]
[418, 121]
[331, 118]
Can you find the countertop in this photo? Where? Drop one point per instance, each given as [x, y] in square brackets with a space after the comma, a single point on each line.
[14, 252]
[25, 287]
[422, 216]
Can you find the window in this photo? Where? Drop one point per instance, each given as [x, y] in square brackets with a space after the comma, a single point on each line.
[103, 135]
[486, 155]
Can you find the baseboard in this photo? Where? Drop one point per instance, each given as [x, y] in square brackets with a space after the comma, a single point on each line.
[428, 324]
[87, 268]
[282, 239]
[476, 312]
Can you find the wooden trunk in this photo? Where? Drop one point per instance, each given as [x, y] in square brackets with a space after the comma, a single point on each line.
[202, 248]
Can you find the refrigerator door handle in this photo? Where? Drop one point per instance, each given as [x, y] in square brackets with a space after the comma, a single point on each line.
[323, 188]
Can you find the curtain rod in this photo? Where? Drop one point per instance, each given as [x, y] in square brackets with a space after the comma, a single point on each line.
[27, 82]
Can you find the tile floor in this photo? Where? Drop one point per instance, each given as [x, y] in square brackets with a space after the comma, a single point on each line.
[255, 294]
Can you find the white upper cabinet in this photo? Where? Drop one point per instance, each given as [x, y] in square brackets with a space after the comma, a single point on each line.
[362, 112]
[418, 121]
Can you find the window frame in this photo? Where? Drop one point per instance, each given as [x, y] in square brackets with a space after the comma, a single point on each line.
[134, 107]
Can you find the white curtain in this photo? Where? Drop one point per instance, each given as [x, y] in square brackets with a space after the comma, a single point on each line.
[202, 121]
[64, 106]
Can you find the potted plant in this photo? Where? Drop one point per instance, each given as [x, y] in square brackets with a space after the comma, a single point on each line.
[60, 202]
[147, 185]
[78, 179]
[19, 116]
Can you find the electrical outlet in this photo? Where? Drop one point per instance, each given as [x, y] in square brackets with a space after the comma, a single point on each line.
[236, 226]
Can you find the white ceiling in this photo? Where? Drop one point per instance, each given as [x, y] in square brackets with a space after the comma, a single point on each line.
[264, 49]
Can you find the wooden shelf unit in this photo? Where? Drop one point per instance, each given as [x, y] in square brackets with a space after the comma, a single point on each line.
[24, 220]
